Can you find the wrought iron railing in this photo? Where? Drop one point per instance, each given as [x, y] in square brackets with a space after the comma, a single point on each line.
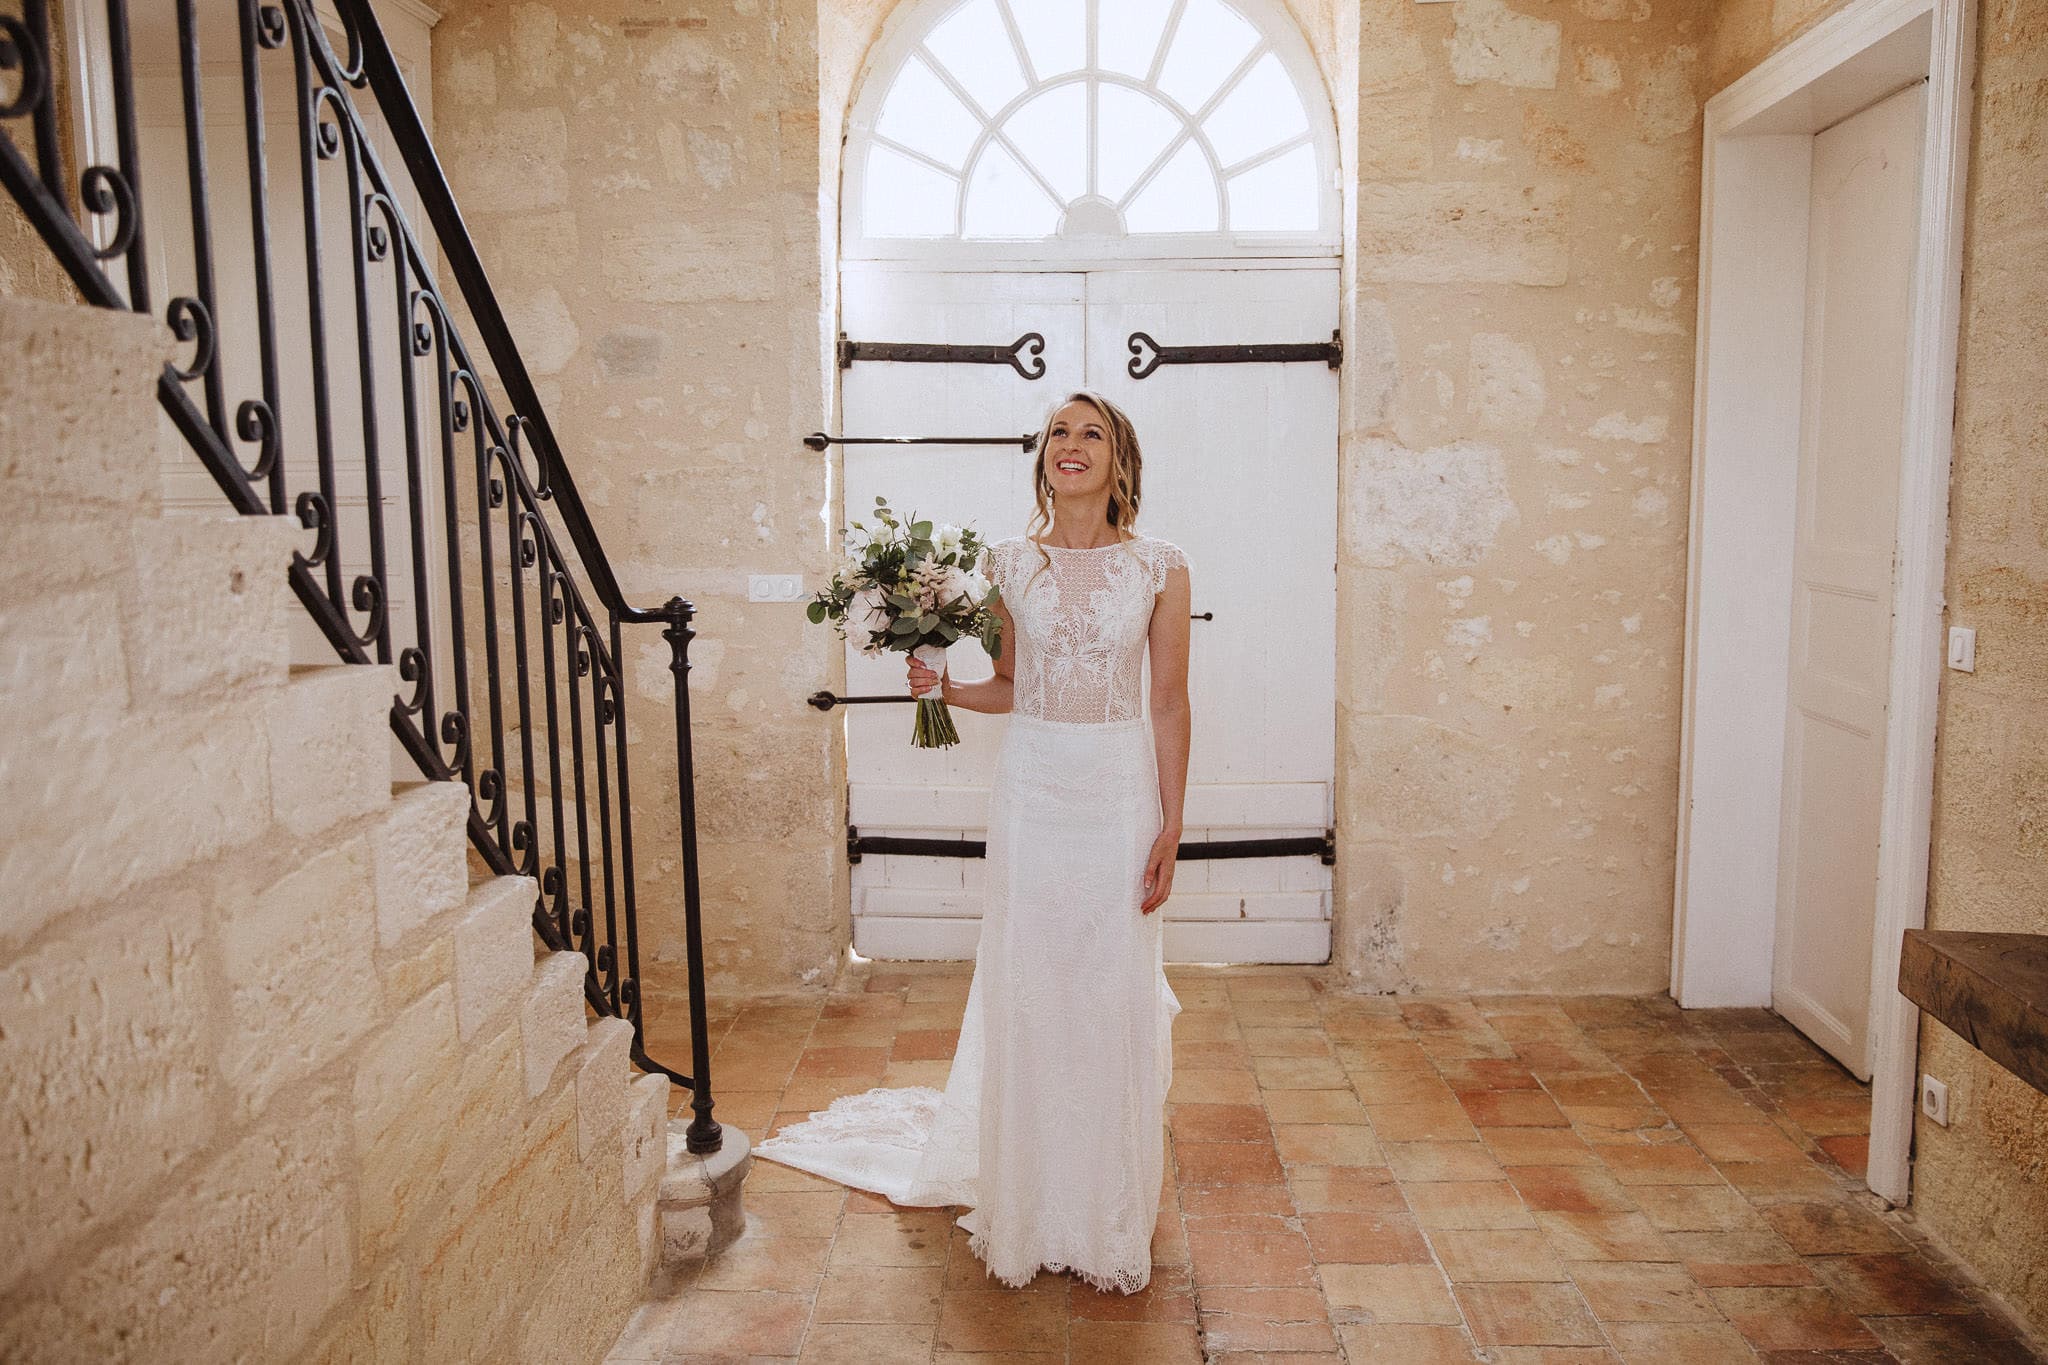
[445, 538]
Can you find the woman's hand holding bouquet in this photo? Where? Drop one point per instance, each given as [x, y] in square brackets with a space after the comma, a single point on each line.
[913, 588]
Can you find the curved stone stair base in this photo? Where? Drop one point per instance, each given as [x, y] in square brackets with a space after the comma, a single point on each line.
[698, 1204]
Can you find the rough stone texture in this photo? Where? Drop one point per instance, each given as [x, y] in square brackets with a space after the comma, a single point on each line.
[301, 985]
[100, 1104]
[551, 1022]
[246, 1124]
[241, 1261]
[97, 809]
[421, 865]
[646, 1140]
[493, 951]
[209, 606]
[77, 410]
[330, 759]
[601, 1075]
[1981, 1183]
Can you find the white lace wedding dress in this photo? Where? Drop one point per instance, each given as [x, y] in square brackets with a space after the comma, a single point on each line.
[1049, 1128]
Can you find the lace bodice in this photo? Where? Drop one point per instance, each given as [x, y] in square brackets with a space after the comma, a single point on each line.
[1081, 624]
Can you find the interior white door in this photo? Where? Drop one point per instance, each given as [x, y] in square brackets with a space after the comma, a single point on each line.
[1864, 197]
[930, 907]
[1232, 452]
[1241, 472]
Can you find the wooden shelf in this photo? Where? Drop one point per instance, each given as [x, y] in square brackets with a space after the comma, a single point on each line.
[1991, 989]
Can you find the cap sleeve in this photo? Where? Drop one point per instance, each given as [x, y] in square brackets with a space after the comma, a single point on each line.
[1165, 555]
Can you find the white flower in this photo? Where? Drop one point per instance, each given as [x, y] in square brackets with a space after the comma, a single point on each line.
[947, 541]
[858, 538]
[957, 583]
[977, 587]
[867, 614]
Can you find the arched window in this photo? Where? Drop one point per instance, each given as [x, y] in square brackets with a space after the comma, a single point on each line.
[1087, 127]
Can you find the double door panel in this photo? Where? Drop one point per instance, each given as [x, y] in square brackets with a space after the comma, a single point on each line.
[1240, 470]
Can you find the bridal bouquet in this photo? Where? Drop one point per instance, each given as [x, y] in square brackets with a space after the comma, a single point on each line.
[911, 587]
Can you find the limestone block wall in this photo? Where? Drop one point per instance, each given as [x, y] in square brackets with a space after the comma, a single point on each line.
[278, 1083]
[1981, 1184]
[655, 192]
[642, 180]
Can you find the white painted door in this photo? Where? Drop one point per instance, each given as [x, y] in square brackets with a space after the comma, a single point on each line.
[1235, 455]
[1865, 188]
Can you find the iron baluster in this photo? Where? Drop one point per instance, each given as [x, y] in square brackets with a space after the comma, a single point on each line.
[202, 220]
[127, 148]
[257, 35]
[704, 1134]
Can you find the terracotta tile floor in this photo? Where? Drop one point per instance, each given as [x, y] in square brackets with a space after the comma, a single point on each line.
[1405, 1179]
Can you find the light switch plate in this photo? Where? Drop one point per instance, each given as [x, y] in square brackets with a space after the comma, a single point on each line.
[774, 587]
[1962, 649]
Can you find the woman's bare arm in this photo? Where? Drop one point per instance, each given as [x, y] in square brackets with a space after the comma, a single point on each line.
[992, 694]
[1171, 727]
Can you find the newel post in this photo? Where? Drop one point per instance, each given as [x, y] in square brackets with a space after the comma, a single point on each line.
[704, 1132]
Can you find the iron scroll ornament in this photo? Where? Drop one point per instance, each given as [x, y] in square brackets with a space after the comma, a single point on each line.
[1025, 355]
[1330, 352]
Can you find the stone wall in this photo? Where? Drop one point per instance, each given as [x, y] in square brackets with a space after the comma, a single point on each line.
[654, 189]
[642, 180]
[278, 1083]
[1981, 1183]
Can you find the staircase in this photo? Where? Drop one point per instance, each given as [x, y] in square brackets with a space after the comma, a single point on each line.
[282, 1079]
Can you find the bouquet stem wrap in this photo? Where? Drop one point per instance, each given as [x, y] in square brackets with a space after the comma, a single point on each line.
[933, 728]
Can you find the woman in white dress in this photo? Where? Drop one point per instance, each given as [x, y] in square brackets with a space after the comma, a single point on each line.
[1050, 1125]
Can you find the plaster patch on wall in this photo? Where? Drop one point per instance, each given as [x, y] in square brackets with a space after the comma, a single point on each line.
[1417, 778]
[1665, 99]
[1617, 426]
[1521, 684]
[1482, 151]
[1444, 505]
[1506, 382]
[1596, 71]
[1494, 43]
[1463, 231]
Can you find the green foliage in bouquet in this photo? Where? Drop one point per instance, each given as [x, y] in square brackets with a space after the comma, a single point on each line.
[906, 585]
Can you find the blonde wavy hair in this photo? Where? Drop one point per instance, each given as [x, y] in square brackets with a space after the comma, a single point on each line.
[1125, 481]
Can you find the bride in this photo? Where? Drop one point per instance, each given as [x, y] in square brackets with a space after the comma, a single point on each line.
[1049, 1127]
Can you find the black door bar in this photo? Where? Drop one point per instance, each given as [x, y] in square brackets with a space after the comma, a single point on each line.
[1028, 349]
[818, 440]
[826, 699]
[1323, 847]
[1330, 352]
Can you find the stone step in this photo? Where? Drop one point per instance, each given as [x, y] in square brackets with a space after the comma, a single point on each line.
[493, 951]
[78, 424]
[330, 745]
[551, 1019]
[420, 857]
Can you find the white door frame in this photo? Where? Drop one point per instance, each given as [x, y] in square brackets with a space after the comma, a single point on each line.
[1755, 185]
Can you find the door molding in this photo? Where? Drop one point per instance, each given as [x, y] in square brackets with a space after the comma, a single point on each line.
[1756, 167]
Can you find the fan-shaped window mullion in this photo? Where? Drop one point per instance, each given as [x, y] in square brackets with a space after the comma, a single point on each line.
[993, 128]
[1278, 149]
[1106, 146]
[1017, 42]
[1167, 33]
[884, 140]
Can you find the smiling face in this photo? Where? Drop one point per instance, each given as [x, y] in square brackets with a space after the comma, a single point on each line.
[1079, 456]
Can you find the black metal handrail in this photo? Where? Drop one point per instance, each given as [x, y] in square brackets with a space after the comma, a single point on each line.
[550, 796]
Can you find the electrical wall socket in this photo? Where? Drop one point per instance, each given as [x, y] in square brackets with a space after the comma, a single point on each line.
[1962, 649]
[774, 587]
[1934, 1099]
